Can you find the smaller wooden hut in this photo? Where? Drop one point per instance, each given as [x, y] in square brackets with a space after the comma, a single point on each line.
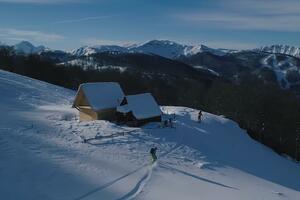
[136, 110]
[98, 100]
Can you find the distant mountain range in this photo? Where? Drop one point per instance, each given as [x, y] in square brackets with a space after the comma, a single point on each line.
[279, 64]
[281, 49]
[163, 48]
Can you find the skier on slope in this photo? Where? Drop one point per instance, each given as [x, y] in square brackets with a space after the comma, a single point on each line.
[153, 154]
[170, 122]
[200, 116]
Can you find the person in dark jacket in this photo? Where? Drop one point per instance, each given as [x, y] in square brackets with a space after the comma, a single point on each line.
[200, 116]
[153, 154]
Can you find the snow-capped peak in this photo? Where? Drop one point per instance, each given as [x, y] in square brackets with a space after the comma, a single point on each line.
[282, 49]
[26, 47]
[192, 50]
[161, 43]
[163, 48]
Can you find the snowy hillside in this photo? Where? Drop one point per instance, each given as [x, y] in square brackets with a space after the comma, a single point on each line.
[42, 156]
[282, 49]
[89, 63]
[88, 50]
[163, 48]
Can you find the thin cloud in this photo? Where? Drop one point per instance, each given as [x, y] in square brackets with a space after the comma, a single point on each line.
[81, 19]
[42, 1]
[244, 22]
[37, 36]
[270, 7]
[270, 15]
[94, 41]
[15, 39]
[231, 45]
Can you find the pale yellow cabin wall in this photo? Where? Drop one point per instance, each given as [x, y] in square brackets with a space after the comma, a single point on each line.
[87, 115]
[80, 99]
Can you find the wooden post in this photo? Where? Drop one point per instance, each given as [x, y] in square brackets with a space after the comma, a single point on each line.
[297, 147]
[297, 141]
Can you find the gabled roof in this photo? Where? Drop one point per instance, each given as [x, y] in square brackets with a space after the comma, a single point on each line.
[142, 106]
[99, 95]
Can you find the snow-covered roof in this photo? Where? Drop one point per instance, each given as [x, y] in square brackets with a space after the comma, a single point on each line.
[143, 106]
[101, 95]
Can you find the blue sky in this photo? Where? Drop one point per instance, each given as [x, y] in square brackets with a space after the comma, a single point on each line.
[69, 24]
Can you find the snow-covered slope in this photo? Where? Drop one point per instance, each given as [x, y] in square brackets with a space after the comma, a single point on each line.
[284, 68]
[26, 47]
[163, 48]
[42, 156]
[282, 49]
[207, 69]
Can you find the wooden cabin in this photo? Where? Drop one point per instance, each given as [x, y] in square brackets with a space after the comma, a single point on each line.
[98, 101]
[136, 110]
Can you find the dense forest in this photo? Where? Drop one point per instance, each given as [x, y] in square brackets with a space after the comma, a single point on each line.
[270, 115]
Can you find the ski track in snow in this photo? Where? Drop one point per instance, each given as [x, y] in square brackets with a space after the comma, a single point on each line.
[140, 184]
[131, 193]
